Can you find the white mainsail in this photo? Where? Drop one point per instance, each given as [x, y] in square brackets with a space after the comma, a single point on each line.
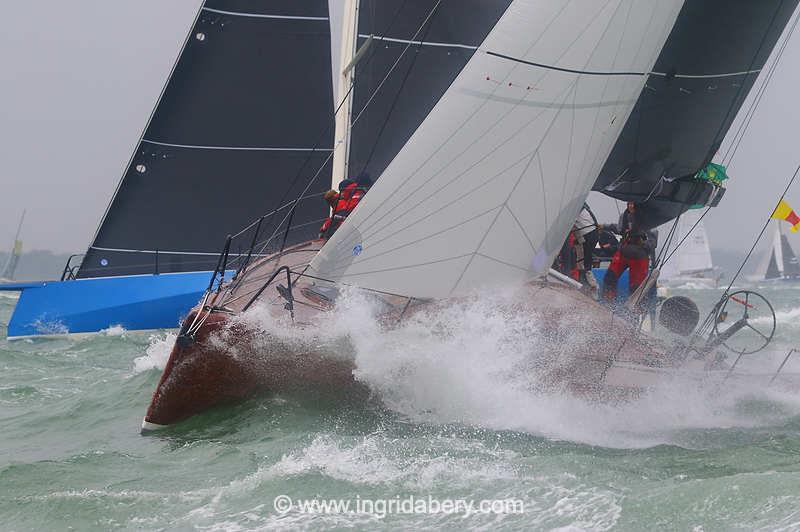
[489, 185]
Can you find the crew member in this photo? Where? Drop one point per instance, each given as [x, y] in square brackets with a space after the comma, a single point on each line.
[342, 203]
[607, 244]
[632, 254]
[331, 197]
[585, 240]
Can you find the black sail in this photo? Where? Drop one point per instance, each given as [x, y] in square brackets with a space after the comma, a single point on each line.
[244, 124]
[791, 268]
[444, 37]
[703, 75]
[772, 268]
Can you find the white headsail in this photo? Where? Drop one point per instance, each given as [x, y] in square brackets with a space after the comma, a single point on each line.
[694, 254]
[489, 185]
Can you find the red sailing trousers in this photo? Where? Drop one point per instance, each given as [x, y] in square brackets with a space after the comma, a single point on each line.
[638, 273]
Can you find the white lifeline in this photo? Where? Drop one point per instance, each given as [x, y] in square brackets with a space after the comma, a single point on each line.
[489, 185]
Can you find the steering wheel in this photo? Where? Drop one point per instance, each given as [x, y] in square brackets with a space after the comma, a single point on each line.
[759, 321]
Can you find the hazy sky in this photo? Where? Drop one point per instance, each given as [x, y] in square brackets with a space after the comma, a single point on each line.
[77, 84]
[79, 80]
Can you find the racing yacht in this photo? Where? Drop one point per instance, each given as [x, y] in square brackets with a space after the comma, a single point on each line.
[485, 126]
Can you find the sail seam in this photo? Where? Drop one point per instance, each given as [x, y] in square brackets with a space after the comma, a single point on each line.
[707, 76]
[409, 266]
[232, 148]
[461, 223]
[504, 263]
[572, 88]
[261, 15]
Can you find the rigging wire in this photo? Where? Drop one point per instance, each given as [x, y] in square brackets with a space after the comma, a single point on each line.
[668, 242]
[733, 106]
[313, 179]
[741, 131]
[689, 232]
[369, 101]
[708, 321]
[733, 147]
[745, 124]
[422, 40]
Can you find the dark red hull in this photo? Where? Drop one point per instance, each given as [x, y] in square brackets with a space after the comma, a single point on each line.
[225, 364]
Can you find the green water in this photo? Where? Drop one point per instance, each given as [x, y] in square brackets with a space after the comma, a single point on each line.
[71, 455]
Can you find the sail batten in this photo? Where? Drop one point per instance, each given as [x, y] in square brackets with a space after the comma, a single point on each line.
[262, 15]
[463, 201]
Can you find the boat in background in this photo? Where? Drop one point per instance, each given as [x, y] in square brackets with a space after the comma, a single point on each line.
[780, 263]
[484, 181]
[245, 119]
[691, 266]
[10, 269]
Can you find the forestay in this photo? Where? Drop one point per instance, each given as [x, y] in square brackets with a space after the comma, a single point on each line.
[487, 188]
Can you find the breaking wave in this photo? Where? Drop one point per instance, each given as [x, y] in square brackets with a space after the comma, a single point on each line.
[157, 353]
[485, 362]
[114, 330]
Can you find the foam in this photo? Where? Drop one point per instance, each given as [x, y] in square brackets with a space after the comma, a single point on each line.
[157, 353]
[483, 362]
[477, 364]
[114, 330]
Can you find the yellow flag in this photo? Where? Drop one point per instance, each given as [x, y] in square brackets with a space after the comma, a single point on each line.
[785, 212]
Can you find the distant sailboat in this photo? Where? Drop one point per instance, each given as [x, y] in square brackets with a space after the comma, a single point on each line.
[10, 269]
[692, 263]
[780, 262]
[245, 119]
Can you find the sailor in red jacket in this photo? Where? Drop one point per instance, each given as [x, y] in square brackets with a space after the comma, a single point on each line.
[342, 203]
[633, 253]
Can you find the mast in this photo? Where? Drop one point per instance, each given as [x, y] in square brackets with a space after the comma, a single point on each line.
[778, 249]
[16, 251]
[344, 72]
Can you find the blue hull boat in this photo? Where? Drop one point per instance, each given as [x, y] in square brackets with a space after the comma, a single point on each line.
[136, 302]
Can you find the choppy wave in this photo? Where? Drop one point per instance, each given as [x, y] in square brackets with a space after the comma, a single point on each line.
[458, 417]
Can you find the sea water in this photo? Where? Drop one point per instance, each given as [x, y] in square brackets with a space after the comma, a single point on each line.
[454, 437]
